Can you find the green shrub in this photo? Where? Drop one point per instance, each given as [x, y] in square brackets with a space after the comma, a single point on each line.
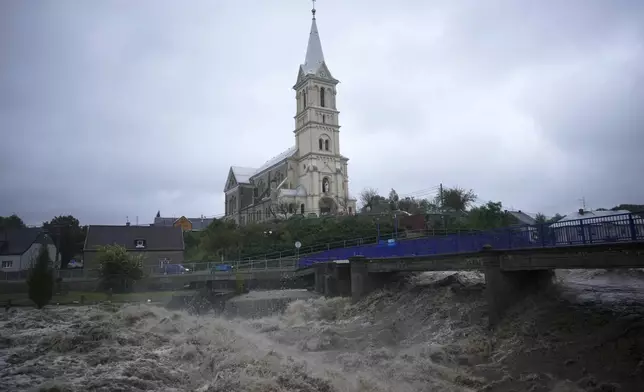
[41, 279]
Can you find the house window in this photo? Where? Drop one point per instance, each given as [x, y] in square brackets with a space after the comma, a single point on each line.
[7, 263]
[322, 97]
[320, 142]
[291, 208]
[139, 244]
[326, 145]
[302, 209]
[350, 211]
[163, 261]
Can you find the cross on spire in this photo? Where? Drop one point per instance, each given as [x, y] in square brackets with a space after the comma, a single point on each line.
[313, 10]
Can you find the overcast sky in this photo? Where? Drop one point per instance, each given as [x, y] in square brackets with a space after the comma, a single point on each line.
[121, 108]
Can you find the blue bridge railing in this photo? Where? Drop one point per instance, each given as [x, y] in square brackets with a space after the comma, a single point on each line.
[592, 230]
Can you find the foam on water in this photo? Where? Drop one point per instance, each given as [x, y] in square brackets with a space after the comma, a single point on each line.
[431, 336]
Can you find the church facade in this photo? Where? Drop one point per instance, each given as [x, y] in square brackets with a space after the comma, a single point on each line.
[309, 178]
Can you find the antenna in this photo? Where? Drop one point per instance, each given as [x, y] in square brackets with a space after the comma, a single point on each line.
[583, 202]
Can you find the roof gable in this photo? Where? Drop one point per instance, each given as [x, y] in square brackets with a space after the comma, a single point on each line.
[18, 241]
[156, 237]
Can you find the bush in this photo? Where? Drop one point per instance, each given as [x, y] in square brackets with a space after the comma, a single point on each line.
[118, 270]
[41, 279]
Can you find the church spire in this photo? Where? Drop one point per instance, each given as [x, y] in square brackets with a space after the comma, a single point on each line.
[314, 56]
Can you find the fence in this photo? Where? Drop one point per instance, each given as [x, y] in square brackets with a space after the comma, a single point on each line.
[351, 243]
[593, 230]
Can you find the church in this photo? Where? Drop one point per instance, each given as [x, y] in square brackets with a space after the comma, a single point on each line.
[309, 178]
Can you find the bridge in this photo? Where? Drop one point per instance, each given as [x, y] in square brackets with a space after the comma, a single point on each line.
[515, 260]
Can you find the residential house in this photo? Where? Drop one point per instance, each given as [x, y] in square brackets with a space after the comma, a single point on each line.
[19, 248]
[159, 245]
[526, 223]
[597, 226]
[523, 218]
[187, 224]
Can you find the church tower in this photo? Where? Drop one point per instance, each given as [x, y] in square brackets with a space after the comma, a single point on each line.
[322, 170]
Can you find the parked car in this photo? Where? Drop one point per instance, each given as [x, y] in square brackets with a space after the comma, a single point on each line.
[174, 269]
[222, 268]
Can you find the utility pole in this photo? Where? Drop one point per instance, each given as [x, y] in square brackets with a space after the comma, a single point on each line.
[442, 202]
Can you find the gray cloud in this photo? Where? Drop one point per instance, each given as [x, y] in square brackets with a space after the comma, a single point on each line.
[111, 110]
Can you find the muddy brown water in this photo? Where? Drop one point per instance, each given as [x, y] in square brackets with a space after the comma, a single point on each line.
[585, 335]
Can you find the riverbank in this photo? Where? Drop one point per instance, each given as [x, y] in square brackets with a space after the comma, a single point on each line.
[94, 297]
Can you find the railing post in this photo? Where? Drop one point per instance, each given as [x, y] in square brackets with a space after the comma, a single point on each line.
[583, 231]
[631, 225]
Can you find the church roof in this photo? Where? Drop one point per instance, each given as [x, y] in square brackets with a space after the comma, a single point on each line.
[277, 159]
[314, 55]
[243, 174]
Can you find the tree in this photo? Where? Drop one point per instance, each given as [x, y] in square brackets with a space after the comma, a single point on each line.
[490, 216]
[282, 210]
[68, 236]
[555, 218]
[371, 200]
[393, 199]
[11, 222]
[540, 218]
[118, 270]
[221, 239]
[455, 199]
[41, 279]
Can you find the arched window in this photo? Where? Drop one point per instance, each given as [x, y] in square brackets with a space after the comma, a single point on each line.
[320, 142]
[326, 145]
[322, 96]
[291, 208]
[302, 208]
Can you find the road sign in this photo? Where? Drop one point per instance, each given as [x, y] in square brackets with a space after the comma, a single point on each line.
[298, 244]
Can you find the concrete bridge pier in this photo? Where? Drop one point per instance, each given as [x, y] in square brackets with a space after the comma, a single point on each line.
[503, 289]
[333, 279]
[364, 282]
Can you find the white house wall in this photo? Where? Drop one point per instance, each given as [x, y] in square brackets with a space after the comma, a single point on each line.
[15, 265]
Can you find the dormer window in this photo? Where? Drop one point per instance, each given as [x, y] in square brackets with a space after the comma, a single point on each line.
[139, 244]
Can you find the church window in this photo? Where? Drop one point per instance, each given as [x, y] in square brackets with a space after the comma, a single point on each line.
[320, 142]
[326, 145]
[291, 208]
[322, 96]
[323, 119]
[304, 99]
[302, 208]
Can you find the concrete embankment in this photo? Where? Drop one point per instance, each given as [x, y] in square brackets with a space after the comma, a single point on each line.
[249, 305]
[264, 303]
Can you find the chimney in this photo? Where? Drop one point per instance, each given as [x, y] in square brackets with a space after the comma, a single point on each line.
[581, 211]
